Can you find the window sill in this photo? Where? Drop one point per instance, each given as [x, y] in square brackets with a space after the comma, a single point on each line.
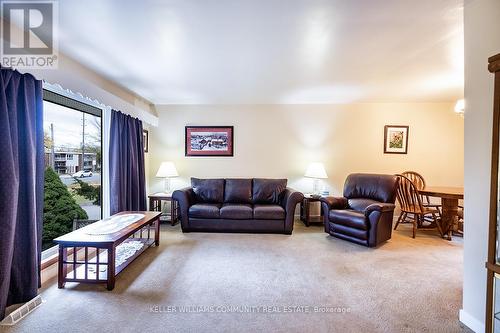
[52, 259]
[47, 262]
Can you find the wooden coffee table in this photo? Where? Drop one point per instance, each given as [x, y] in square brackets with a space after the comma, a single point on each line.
[94, 253]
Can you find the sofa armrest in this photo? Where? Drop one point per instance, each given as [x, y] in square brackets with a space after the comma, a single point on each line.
[289, 203]
[379, 207]
[334, 202]
[185, 198]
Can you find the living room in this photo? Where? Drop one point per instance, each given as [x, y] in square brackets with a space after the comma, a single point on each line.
[249, 165]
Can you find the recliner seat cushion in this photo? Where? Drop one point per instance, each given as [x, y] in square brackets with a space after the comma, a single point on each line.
[361, 204]
[208, 190]
[268, 191]
[236, 212]
[268, 212]
[205, 210]
[238, 191]
[349, 218]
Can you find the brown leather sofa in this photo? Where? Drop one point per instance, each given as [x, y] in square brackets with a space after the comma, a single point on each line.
[364, 214]
[237, 205]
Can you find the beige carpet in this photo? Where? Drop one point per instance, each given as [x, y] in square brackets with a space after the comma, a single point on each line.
[275, 281]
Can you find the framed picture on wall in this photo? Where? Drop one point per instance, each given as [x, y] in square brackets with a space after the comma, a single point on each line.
[145, 140]
[396, 139]
[209, 141]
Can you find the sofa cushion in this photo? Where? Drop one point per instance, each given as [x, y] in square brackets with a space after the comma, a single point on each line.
[208, 190]
[268, 191]
[238, 191]
[349, 218]
[361, 204]
[268, 212]
[205, 210]
[236, 212]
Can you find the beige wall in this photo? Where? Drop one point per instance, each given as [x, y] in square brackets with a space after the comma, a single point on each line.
[481, 41]
[280, 140]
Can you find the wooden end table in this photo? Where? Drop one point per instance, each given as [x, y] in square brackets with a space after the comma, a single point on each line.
[305, 211]
[155, 201]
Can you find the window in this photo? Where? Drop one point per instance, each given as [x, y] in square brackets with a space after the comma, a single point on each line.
[73, 161]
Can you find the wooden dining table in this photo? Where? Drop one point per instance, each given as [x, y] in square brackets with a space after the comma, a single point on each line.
[449, 202]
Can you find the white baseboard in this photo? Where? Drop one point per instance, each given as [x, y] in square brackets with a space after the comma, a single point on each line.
[471, 322]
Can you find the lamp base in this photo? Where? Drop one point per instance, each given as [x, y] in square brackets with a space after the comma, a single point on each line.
[166, 186]
[316, 189]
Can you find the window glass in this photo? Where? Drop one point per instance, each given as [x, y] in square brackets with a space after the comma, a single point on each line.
[73, 162]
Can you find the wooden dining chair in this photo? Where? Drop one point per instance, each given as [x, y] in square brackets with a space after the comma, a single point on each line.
[411, 203]
[419, 182]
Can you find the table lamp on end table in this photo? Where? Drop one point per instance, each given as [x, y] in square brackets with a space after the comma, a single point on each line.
[316, 171]
[167, 170]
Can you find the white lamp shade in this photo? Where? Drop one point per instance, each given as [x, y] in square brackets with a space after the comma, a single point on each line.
[316, 170]
[460, 106]
[167, 170]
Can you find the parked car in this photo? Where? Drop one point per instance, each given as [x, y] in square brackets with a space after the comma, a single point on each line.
[82, 173]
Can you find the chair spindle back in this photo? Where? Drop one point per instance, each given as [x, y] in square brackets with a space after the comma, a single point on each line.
[408, 196]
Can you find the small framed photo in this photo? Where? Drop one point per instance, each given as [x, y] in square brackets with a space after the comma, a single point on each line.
[209, 141]
[396, 139]
[145, 140]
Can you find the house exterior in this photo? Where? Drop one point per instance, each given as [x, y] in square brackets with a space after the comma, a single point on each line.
[69, 162]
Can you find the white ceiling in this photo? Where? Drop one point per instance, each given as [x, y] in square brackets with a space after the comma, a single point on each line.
[271, 51]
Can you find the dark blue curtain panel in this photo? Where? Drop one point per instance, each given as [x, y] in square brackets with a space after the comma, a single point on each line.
[21, 186]
[126, 164]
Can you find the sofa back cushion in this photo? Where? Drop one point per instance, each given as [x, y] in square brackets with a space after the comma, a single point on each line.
[208, 190]
[371, 186]
[238, 191]
[268, 191]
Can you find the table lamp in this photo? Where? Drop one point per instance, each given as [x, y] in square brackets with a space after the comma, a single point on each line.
[460, 107]
[316, 171]
[167, 170]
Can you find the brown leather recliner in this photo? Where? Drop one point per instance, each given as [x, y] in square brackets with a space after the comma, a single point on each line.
[364, 214]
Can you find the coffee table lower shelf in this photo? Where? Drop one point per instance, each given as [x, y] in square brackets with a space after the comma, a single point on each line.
[101, 275]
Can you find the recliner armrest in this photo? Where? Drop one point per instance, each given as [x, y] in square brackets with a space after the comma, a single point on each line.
[334, 202]
[380, 207]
